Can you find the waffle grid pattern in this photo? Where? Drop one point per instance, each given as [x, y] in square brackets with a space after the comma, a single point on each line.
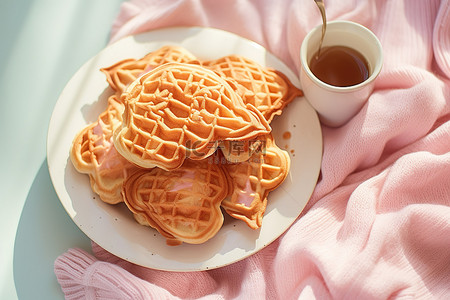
[123, 73]
[266, 89]
[184, 203]
[94, 140]
[176, 111]
[93, 153]
[180, 110]
[252, 180]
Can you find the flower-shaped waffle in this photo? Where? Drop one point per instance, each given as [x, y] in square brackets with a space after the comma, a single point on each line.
[182, 204]
[93, 153]
[253, 179]
[267, 89]
[182, 110]
[123, 73]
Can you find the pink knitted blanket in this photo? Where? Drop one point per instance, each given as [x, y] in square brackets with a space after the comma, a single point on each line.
[378, 223]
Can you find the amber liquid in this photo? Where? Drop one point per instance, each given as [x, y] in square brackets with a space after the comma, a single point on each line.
[339, 66]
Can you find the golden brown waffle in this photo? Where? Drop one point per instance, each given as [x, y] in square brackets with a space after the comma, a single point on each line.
[239, 151]
[183, 204]
[93, 153]
[252, 181]
[267, 89]
[182, 110]
[121, 74]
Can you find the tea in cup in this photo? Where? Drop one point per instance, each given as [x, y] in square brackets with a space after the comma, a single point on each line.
[339, 80]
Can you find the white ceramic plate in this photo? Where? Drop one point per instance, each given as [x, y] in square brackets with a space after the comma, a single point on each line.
[112, 226]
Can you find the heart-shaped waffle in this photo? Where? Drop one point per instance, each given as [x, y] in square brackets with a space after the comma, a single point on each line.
[267, 89]
[253, 179]
[182, 110]
[183, 204]
[93, 153]
[124, 72]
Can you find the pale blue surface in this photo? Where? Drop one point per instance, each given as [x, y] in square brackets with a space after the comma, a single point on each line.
[43, 43]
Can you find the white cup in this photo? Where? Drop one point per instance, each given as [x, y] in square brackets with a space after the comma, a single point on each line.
[337, 105]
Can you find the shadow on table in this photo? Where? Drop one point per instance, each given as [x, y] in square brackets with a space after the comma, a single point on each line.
[44, 232]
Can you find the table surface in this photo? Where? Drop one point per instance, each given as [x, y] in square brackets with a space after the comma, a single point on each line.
[43, 43]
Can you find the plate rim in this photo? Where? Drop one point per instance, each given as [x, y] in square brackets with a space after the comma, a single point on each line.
[196, 29]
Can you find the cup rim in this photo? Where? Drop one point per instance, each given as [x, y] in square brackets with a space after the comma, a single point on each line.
[343, 89]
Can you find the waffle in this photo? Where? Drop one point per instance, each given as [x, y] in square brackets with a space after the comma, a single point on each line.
[183, 204]
[182, 110]
[254, 179]
[92, 153]
[239, 151]
[267, 89]
[124, 72]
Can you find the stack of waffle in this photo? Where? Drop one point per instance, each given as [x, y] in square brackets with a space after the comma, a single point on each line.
[181, 139]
